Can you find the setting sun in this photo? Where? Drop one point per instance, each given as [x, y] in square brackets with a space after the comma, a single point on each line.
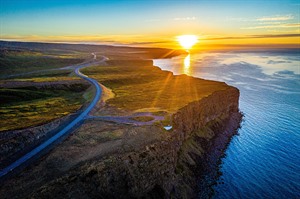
[187, 41]
[161, 95]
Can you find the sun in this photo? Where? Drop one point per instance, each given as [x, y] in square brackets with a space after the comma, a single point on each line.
[187, 41]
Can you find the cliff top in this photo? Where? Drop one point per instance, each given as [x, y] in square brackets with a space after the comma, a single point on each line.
[140, 86]
[100, 146]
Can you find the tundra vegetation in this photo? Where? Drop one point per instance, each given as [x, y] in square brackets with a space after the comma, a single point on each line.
[138, 86]
[32, 93]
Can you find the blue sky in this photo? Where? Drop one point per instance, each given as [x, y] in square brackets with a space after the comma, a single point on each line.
[126, 19]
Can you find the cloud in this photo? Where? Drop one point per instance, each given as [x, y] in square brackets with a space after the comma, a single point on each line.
[255, 36]
[270, 22]
[287, 31]
[268, 19]
[147, 42]
[276, 18]
[120, 40]
[69, 38]
[290, 25]
[184, 18]
[274, 22]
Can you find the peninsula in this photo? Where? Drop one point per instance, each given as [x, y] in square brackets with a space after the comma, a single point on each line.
[120, 146]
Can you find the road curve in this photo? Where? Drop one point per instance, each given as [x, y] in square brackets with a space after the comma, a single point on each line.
[67, 128]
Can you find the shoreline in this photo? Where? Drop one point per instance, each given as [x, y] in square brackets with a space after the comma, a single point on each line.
[174, 151]
[217, 151]
[165, 152]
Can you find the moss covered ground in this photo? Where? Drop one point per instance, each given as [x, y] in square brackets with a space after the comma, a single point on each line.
[30, 105]
[23, 61]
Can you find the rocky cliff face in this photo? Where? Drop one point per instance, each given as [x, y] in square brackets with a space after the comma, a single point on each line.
[166, 168]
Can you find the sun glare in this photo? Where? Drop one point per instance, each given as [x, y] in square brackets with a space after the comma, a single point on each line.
[187, 41]
[187, 64]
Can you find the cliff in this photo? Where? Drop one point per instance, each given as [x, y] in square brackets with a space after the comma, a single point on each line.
[169, 167]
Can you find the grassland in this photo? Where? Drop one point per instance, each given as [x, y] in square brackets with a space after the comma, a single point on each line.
[140, 86]
[23, 61]
[137, 85]
[30, 106]
[36, 98]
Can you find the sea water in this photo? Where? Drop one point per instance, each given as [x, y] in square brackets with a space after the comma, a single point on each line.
[263, 160]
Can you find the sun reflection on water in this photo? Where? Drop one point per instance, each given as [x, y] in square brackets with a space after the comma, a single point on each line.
[187, 64]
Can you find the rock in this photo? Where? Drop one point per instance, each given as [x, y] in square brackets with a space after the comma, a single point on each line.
[168, 168]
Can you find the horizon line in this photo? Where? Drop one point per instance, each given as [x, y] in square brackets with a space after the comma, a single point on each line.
[205, 47]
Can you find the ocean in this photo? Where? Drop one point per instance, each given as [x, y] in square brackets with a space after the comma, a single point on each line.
[263, 160]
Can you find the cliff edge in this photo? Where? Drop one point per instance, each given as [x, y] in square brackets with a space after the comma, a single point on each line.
[167, 168]
[105, 159]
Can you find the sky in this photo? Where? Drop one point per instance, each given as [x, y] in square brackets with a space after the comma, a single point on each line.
[152, 23]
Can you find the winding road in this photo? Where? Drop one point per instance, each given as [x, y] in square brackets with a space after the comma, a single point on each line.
[81, 117]
[68, 127]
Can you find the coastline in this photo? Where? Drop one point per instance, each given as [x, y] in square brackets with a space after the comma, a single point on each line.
[162, 168]
[174, 151]
[253, 153]
[215, 154]
[216, 151]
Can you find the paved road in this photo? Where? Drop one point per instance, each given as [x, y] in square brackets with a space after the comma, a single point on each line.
[67, 128]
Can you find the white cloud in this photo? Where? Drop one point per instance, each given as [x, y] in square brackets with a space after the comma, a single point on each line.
[291, 25]
[276, 18]
[270, 22]
[284, 31]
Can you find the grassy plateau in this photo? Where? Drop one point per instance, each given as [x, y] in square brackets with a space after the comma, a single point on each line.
[36, 98]
[139, 86]
[23, 61]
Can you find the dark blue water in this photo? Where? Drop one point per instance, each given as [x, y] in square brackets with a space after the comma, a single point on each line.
[263, 161]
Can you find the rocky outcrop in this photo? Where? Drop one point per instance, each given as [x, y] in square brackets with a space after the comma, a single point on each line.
[165, 168]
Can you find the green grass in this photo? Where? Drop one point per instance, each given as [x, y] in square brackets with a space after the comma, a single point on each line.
[15, 62]
[46, 74]
[139, 85]
[18, 95]
[31, 106]
[89, 94]
[47, 79]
